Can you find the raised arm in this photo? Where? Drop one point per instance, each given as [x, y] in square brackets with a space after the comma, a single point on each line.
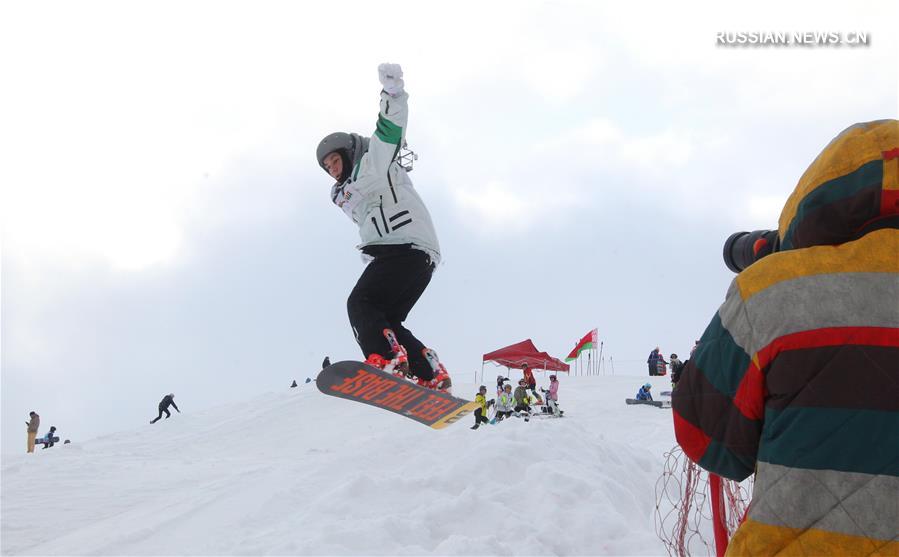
[392, 118]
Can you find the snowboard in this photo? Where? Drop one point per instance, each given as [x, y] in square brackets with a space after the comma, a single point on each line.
[369, 385]
[665, 393]
[42, 440]
[656, 403]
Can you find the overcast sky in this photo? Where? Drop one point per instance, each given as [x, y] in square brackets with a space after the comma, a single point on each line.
[166, 227]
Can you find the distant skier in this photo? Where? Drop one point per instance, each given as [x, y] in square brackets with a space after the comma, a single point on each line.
[294, 384]
[33, 424]
[167, 400]
[644, 392]
[397, 235]
[326, 362]
[48, 439]
[480, 413]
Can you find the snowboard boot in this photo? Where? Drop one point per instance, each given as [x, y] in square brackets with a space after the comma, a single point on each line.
[377, 360]
[475, 426]
[400, 361]
[441, 380]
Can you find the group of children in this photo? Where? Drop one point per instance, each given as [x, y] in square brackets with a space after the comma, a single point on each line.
[518, 403]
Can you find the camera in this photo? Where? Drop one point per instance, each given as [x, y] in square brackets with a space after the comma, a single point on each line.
[742, 249]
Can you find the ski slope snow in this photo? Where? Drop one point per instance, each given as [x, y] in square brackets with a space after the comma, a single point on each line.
[297, 472]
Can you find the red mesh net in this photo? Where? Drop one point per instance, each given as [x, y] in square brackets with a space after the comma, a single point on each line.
[684, 518]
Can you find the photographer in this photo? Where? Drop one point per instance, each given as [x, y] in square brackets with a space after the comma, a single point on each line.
[788, 379]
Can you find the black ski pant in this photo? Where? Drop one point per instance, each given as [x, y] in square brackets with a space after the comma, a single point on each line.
[382, 299]
[479, 417]
[161, 410]
[522, 408]
[502, 414]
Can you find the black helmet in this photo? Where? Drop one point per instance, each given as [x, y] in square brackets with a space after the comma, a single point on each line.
[349, 146]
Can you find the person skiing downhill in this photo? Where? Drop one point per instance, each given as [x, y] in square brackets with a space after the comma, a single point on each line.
[398, 238]
[167, 400]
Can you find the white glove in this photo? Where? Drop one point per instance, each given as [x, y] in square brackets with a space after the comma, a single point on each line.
[391, 76]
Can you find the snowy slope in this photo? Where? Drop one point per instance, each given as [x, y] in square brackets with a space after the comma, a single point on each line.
[301, 473]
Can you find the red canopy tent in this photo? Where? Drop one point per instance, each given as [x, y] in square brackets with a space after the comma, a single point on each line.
[524, 352]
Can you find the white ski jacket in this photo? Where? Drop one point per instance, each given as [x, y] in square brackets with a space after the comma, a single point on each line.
[378, 195]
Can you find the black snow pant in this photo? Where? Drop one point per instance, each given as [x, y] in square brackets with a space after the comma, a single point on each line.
[161, 410]
[500, 415]
[382, 299]
[479, 417]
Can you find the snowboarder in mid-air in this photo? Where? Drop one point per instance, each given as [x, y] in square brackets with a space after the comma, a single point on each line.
[398, 239]
[167, 400]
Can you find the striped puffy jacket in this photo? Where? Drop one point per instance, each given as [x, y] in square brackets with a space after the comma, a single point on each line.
[797, 376]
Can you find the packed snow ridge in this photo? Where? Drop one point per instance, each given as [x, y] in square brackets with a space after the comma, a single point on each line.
[300, 473]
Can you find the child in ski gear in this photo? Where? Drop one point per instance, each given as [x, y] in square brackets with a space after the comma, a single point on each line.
[552, 395]
[33, 424]
[48, 439]
[504, 403]
[480, 414]
[643, 393]
[500, 382]
[397, 237]
[167, 400]
[787, 381]
[531, 382]
[521, 397]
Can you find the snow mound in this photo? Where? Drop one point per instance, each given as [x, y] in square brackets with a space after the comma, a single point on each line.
[301, 473]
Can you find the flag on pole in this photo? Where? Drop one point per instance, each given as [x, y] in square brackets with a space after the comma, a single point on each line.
[589, 342]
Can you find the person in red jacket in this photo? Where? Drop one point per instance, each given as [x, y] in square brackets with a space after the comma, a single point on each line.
[531, 382]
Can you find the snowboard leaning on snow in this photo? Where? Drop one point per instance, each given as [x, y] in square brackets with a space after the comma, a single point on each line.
[42, 440]
[369, 385]
[656, 403]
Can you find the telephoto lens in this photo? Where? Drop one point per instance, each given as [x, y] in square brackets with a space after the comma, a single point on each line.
[742, 249]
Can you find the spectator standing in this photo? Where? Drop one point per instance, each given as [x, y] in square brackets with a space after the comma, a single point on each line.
[33, 424]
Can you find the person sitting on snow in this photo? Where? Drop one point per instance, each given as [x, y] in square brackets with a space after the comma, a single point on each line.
[521, 397]
[643, 393]
[552, 396]
[480, 413]
[504, 403]
[48, 439]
